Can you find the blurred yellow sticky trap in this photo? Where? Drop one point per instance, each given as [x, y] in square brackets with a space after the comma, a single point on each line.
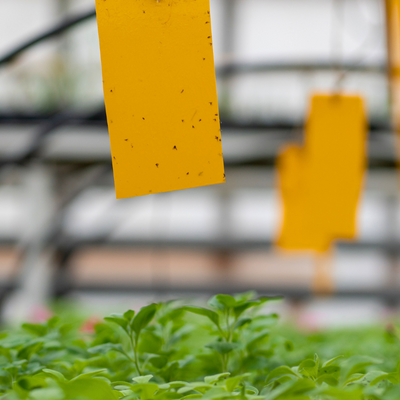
[321, 183]
[393, 40]
[160, 93]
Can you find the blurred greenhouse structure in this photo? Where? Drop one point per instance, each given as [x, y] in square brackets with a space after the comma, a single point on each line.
[62, 233]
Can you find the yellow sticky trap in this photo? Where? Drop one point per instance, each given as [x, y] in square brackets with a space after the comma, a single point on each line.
[160, 94]
[321, 183]
[393, 40]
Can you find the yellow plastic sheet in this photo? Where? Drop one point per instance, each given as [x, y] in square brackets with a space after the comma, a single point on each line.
[160, 93]
[321, 182]
[393, 40]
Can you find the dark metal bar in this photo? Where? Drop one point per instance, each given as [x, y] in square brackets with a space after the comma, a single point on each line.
[98, 117]
[388, 296]
[238, 68]
[76, 244]
[52, 32]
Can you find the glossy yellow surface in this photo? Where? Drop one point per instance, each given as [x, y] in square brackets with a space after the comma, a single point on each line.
[160, 94]
[321, 182]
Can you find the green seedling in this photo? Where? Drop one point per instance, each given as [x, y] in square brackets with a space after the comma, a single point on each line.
[230, 348]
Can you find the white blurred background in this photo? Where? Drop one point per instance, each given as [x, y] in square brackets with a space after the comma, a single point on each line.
[63, 234]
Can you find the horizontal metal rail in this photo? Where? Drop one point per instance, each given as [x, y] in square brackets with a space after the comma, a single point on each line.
[391, 297]
[239, 68]
[230, 245]
[64, 287]
[98, 118]
[223, 70]
[48, 34]
[381, 154]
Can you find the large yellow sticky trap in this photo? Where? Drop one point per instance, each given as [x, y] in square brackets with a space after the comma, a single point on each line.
[393, 40]
[321, 182]
[160, 94]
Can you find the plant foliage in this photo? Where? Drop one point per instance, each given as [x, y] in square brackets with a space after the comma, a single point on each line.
[229, 349]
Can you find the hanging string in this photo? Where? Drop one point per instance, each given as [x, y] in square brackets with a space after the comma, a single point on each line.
[337, 42]
[338, 31]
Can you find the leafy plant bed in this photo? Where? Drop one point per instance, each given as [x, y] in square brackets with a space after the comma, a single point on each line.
[230, 349]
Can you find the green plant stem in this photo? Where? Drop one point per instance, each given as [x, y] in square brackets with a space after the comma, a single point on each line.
[136, 354]
[228, 338]
[224, 362]
[228, 327]
[134, 345]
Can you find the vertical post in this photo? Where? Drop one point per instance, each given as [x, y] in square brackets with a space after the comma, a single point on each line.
[391, 253]
[224, 254]
[323, 279]
[35, 271]
[63, 54]
[393, 97]
[228, 49]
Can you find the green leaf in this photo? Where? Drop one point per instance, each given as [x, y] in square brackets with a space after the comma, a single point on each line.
[242, 322]
[392, 377]
[106, 348]
[89, 389]
[265, 321]
[307, 364]
[6, 353]
[331, 361]
[53, 322]
[267, 299]
[327, 378]
[27, 351]
[309, 368]
[173, 315]
[251, 346]
[159, 361]
[177, 384]
[211, 315]
[354, 378]
[49, 393]
[357, 364]
[222, 347]
[199, 386]
[128, 315]
[146, 390]
[150, 343]
[372, 376]
[222, 302]
[216, 378]
[240, 309]
[251, 390]
[331, 369]
[35, 329]
[246, 296]
[143, 318]
[5, 378]
[232, 383]
[142, 379]
[58, 376]
[118, 319]
[289, 345]
[284, 370]
[90, 374]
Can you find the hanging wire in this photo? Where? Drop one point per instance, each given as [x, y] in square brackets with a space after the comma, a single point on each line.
[367, 15]
[337, 48]
[374, 25]
[339, 28]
